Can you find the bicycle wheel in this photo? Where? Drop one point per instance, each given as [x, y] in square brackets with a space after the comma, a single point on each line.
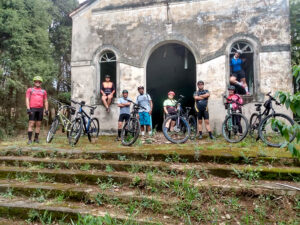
[130, 131]
[93, 131]
[52, 130]
[269, 131]
[75, 133]
[235, 127]
[176, 129]
[254, 124]
[193, 125]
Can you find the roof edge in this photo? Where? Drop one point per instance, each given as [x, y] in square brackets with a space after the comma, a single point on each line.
[81, 7]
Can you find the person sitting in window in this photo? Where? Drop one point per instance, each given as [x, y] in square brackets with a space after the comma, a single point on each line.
[107, 91]
[237, 74]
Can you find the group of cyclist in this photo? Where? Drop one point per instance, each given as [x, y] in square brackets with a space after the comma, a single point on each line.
[37, 103]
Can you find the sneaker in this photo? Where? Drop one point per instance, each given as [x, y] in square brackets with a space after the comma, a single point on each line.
[200, 136]
[108, 110]
[118, 139]
[29, 142]
[36, 141]
[211, 137]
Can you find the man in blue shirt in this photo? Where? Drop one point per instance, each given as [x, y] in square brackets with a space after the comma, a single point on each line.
[237, 74]
[144, 114]
[124, 105]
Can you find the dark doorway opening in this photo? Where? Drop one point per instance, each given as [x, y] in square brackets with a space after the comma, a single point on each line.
[170, 67]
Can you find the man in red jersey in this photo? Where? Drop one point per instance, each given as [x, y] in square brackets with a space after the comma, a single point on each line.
[36, 101]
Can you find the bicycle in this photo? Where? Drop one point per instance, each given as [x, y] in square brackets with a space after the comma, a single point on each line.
[61, 119]
[131, 129]
[192, 121]
[263, 126]
[84, 123]
[175, 127]
[235, 126]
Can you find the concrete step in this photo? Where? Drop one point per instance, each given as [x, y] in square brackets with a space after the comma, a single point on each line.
[226, 156]
[141, 180]
[221, 170]
[22, 208]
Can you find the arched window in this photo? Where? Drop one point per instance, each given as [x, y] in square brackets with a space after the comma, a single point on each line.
[108, 66]
[248, 65]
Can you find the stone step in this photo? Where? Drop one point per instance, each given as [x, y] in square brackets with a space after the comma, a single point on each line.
[236, 155]
[83, 193]
[141, 180]
[221, 170]
[22, 208]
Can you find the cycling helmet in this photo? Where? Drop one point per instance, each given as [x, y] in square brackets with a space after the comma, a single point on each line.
[200, 82]
[171, 93]
[124, 91]
[141, 87]
[37, 78]
[107, 76]
[231, 87]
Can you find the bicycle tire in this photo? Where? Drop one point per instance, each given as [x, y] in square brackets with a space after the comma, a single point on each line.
[95, 122]
[76, 130]
[184, 122]
[264, 123]
[254, 125]
[224, 128]
[52, 130]
[193, 125]
[134, 128]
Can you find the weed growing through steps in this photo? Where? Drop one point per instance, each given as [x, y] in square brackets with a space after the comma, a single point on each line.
[22, 177]
[136, 181]
[251, 175]
[106, 220]
[60, 198]
[85, 167]
[43, 218]
[134, 168]
[40, 195]
[107, 184]
[8, 194]
[122, 158]
[109, 168]
[44, 178]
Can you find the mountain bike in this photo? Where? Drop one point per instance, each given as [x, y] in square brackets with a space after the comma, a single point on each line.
[192, 121]
[235, 126]
[264, 127]
[131, 129]
[63, 118]
[175, 127]
[84, 123]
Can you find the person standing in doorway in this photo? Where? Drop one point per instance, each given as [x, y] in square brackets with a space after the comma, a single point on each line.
[144, 114]
[201, 100]
[107, 91]
[124, 104]
[170, 109]
[237, 74]
[36, 102]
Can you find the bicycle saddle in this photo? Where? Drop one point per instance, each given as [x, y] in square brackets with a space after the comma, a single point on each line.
[259, 104]
[188, 107]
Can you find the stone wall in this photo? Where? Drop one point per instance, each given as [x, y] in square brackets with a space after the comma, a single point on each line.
[134, 29]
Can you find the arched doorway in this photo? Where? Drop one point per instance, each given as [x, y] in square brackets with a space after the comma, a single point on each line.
[170, 67]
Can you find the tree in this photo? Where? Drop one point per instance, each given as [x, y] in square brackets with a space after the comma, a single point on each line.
[295, 30]
[25, 51]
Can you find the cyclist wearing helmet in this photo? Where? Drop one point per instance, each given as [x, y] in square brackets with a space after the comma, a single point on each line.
[201, 99]
[237, 74]
[36, 101]
[107, 91]
[124, 105]
[170, 108]
[235, 97]
[144, 114]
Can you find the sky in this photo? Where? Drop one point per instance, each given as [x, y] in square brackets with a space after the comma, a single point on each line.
[80, 1]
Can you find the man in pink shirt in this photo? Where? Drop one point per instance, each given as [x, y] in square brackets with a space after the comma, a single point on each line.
[36, 101]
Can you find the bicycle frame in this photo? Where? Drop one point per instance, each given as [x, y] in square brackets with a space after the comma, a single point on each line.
[65, 122]
[84, 115]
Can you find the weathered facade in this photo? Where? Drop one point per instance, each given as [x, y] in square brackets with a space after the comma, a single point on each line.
[133, 29]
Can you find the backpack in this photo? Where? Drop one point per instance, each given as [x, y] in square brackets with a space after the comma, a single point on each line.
[32, 90]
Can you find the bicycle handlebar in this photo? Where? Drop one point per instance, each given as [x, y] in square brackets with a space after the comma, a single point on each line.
[232, 101]
[272, 98]
[139, 106]
[82, 104]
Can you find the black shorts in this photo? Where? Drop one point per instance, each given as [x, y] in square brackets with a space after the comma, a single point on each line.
[203, 114]
[123, 117]
[239, 75]
[36, 114]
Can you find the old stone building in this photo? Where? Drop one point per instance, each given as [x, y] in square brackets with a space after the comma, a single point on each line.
[170, 44]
